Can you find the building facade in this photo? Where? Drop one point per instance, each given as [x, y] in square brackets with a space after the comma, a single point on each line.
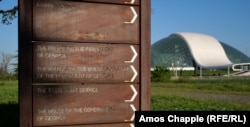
[190, 50]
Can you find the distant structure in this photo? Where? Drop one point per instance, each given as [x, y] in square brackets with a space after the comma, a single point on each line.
[186, 50]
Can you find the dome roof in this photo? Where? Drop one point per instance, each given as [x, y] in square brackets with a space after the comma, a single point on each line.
[191, 49]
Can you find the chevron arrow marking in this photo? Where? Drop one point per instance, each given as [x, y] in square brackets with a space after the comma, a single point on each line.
[134, 96]
[134, 18]
[131, 2]
[133, 116]
[135, 74]
[134, 57]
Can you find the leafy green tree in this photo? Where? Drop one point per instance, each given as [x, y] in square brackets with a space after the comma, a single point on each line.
[4, 62]
[8, 15]
[15, 69]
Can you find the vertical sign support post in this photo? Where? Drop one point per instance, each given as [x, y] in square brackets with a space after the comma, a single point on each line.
[84, 63]
[25, 63]
[145, 53]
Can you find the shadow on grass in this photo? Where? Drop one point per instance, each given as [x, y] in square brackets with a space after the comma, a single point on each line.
[9, 115]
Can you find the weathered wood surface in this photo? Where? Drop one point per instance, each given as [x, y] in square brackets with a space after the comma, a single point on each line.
[98, 83]
[85, 63]
[84, 104]
[55, 20]
[128, 2]
[103, 125]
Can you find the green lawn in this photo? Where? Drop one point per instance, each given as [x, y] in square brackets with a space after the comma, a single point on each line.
[180, 103]
[164, 96]
[8, 92]
[175, 95]
[8, 104]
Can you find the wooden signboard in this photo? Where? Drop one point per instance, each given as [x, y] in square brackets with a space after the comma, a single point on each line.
[55, 20]
[83, 63]
[84, 104]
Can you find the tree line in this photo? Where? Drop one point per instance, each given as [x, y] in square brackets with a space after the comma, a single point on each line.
[5, 62]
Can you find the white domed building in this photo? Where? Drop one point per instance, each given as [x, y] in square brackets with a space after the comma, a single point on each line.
[195, 50]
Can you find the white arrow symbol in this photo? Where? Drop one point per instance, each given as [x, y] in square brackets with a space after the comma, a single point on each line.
[131, 2]
[135, 74]
[134, 18]
[134, 57]
[132, 125]
[133, 116]
[134, 96]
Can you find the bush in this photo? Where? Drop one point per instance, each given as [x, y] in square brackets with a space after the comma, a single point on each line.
[8, 77]
[160, 73]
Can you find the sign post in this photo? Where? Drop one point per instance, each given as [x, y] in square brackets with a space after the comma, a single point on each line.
[84, 63]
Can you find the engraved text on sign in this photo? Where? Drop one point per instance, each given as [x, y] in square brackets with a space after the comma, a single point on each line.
[86, 63]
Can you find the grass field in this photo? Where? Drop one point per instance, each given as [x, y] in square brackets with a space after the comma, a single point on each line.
[181, 94]
[200, 96]
[8, 104]
[8, 92]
